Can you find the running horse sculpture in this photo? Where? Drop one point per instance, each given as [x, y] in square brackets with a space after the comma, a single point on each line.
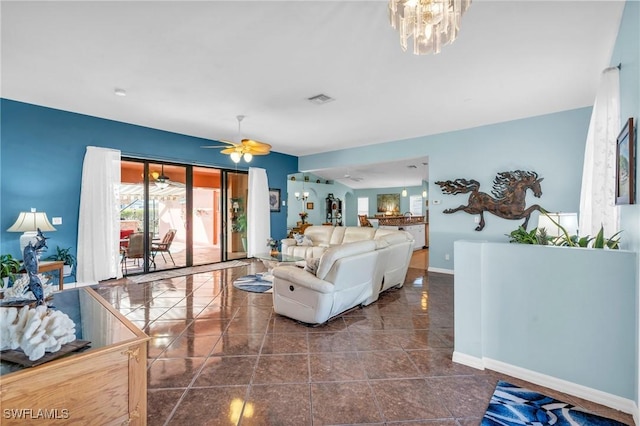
[509, 190]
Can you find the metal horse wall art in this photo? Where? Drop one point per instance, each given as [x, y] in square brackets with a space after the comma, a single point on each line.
[509, 190]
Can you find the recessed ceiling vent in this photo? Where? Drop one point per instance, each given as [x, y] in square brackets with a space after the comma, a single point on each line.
[320, 99]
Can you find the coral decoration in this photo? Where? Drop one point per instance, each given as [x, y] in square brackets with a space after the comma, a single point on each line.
[35, 330]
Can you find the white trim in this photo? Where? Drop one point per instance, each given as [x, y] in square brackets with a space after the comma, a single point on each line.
[468, 360]
[441, 270]
[623, 404]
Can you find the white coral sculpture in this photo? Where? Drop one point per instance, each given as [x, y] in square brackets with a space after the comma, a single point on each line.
[20, 289]
[35, 330]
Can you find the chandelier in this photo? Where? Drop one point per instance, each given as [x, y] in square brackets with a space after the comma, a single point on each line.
[432, 23]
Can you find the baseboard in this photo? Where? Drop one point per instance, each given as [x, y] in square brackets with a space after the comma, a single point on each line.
[441, 270]
[468, 360]
[619, 403]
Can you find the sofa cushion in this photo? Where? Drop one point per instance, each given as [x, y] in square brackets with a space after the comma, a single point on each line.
[381, 243]
[392, 236]
[319, 234]
[357, 233]
[333, 254]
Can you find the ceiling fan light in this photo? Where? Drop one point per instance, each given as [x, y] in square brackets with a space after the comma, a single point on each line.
[235, 157]
[161, 183]
[247, 156]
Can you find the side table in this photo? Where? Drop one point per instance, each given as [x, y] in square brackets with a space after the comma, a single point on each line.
[51, 265]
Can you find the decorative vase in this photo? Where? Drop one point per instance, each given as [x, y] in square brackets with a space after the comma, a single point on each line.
[274, 252]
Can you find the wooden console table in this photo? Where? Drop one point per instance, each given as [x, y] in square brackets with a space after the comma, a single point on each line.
[51, 265]
[105, 384]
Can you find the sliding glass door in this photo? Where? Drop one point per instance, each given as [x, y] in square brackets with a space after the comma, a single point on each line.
[183, 215]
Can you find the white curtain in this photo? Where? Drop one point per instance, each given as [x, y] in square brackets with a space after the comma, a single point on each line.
[598, 195]
[98, 222]
[258, 212]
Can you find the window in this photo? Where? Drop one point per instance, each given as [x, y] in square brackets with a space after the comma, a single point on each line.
[415, 205]
[363, 205]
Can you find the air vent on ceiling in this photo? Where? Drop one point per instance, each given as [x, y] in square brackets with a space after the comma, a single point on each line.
[320, 99]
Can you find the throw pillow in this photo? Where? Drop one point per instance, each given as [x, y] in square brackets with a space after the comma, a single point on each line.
[302, 240]
[312, 265]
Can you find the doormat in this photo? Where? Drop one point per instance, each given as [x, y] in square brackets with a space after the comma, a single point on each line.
[512, 405]
[253, 283]
[172, 273]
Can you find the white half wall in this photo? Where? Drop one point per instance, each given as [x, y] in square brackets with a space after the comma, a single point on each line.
[565, 313]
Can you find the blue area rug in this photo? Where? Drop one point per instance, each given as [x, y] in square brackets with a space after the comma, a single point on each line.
[512, 405]
[253, 283]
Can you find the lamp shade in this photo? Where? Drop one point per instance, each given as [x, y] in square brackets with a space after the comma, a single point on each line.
[31, 221]
[568, 221]
[28, 223]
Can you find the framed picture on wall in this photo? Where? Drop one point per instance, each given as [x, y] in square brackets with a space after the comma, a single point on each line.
[625, 165]
[274, 199]
[309, 206]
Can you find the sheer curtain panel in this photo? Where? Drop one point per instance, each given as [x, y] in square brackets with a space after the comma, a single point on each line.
[258, 212]
[98, 222]
[598, 194]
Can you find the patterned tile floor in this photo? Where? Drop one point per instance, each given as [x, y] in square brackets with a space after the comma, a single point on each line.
[220, 356]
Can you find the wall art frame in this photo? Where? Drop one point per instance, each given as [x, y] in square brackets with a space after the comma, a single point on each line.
[625, 164]
[274, 199]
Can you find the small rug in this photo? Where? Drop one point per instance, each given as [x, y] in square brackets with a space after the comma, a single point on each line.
[512, 405]
[172, 273]
[253, 283]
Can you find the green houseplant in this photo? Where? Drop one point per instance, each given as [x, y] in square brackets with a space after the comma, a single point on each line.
[9, 266]
[240, 226]
[539, 236]
[65, 255]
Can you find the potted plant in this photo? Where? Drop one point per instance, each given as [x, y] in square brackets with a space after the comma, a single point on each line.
[64, 254]
[9, 266]
[240, 226]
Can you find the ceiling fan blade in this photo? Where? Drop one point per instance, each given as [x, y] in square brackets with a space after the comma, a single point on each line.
[232, 150]
[256, 148]
[228, 143]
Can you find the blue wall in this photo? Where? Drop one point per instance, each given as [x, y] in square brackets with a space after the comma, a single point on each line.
[41, 164]
[552, 145]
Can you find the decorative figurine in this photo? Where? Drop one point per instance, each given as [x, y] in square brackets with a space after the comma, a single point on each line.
[30, 257]
[509, 189]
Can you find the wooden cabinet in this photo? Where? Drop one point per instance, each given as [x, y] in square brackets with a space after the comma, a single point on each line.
[334, 211]
[106, 384]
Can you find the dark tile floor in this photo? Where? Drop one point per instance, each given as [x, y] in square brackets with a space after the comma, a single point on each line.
[220, 356]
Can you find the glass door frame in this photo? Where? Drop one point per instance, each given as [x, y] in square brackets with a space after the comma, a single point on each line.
[226, 176]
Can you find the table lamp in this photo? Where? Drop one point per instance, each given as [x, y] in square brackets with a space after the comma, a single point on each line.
[28, 223]
[568, 221]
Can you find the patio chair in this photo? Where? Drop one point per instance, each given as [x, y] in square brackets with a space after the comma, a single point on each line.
[163, 246]
[135, 250]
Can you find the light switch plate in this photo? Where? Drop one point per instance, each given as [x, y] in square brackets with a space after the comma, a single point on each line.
[56, 221]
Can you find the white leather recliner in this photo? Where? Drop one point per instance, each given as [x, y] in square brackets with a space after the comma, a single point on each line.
[395, 248]
[346, 277]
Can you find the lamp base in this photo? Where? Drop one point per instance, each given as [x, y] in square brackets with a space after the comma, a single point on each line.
[26, 238]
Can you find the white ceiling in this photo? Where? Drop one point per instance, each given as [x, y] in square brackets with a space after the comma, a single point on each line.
[192, 67]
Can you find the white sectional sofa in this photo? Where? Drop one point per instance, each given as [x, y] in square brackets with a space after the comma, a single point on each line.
[345, 278]
[394, 247]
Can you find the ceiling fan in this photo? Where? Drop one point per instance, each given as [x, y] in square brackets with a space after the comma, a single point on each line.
[162, 181]
[246, 148]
